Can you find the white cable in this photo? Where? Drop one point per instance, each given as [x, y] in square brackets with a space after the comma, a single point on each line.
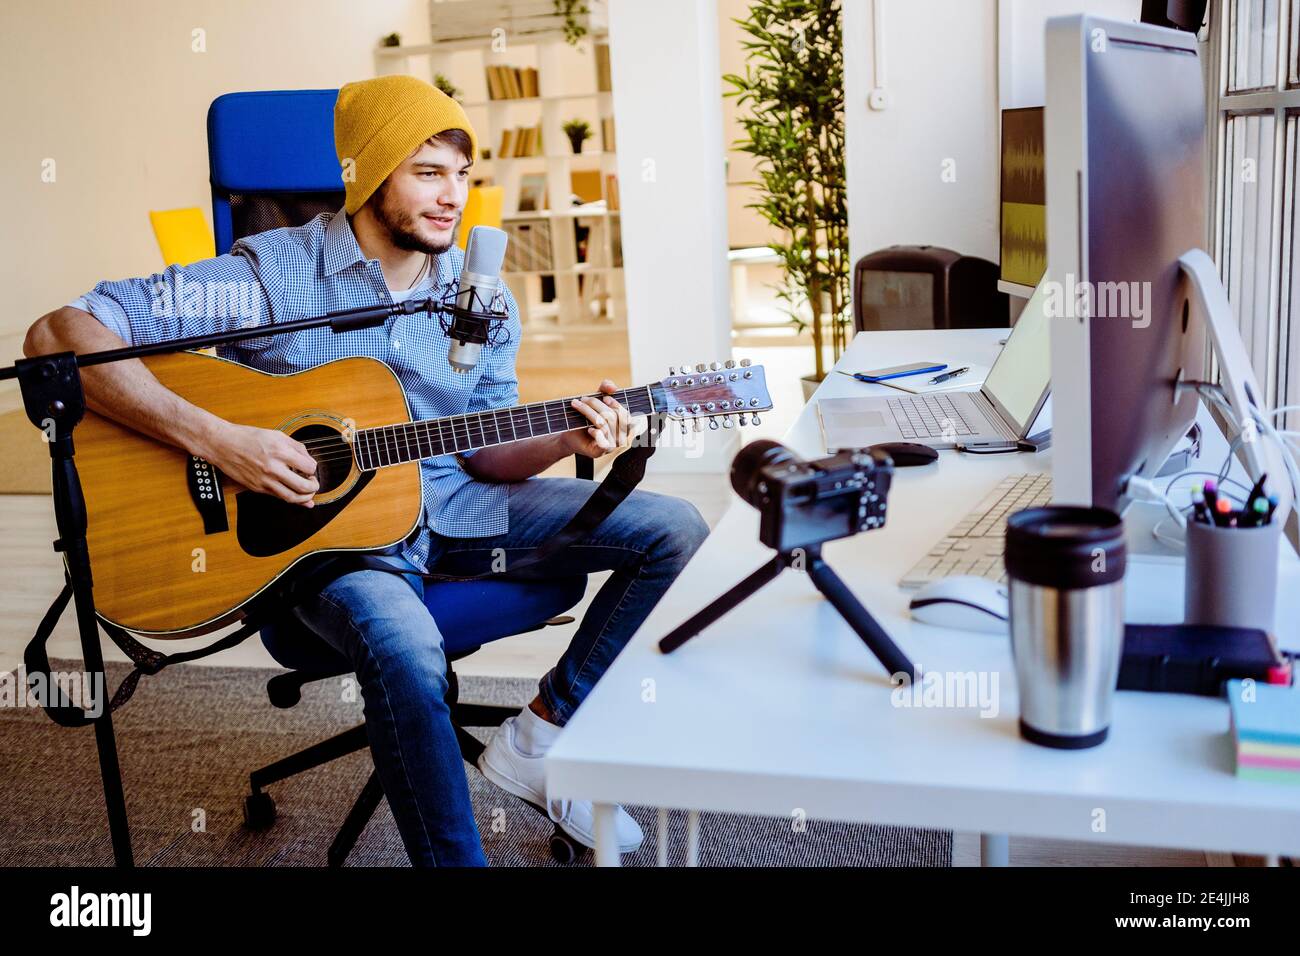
[1264, 425]
[1179, 543]
[1153, 494]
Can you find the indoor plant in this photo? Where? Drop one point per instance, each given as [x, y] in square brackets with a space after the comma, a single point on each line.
[578, 132]
[793, 92]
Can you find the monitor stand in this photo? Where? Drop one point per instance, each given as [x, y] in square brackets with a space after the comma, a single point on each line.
[1237, 375]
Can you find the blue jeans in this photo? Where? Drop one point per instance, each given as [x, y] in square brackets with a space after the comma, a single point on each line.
[380, 623]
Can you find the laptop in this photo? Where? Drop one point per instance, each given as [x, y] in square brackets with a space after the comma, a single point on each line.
[999, 415]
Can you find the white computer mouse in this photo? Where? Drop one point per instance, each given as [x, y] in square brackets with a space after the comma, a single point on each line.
[964, 602]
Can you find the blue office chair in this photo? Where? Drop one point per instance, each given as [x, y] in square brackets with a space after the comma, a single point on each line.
[272, 164]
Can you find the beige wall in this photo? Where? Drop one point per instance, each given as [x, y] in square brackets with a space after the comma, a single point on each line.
[112, 91]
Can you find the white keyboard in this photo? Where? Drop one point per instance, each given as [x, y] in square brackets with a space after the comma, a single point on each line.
[975, 546]
[929, 416]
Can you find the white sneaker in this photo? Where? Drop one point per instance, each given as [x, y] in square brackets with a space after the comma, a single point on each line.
[524, 775]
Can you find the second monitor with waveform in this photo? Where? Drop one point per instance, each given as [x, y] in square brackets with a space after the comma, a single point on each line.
[1024, 197]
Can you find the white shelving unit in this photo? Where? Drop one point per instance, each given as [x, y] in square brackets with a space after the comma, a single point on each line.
[467, 38]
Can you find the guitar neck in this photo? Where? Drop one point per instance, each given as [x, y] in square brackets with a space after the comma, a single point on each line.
[431, 437]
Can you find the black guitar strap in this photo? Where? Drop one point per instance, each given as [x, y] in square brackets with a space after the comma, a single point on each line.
[624, 475]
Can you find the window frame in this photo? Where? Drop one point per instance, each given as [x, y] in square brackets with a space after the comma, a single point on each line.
[1282, 101]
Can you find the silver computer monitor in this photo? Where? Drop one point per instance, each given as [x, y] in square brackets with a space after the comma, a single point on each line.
[1126, 197]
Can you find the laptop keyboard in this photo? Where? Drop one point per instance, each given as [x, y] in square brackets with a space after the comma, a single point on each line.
[976, 545]
[930, 416]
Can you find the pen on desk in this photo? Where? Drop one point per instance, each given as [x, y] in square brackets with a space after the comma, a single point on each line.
[947, 375]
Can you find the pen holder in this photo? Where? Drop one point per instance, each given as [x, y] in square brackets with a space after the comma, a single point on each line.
[1231, 575]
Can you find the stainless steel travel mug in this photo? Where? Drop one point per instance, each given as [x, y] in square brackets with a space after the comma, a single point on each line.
[1065, 567]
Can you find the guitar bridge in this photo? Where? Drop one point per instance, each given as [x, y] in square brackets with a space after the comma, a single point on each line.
[205, 490]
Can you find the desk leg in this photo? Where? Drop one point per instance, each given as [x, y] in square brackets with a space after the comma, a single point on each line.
[693, 838]
[995, 849]
[606, 834]
[661, 846]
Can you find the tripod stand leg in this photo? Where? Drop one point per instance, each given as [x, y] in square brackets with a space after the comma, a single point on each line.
[693, 625]
[73, 541]
[860, 619]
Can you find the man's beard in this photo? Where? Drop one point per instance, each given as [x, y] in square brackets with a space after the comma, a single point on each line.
[401, 228]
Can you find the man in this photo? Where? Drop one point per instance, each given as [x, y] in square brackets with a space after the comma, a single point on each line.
[405, 149]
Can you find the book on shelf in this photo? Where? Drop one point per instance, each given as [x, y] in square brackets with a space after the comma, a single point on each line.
[521, 141]
[512, 82]
[603, 83]
[607, 134]
[611, 192]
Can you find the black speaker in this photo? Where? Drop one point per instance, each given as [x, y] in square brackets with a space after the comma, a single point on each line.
[1180, 14]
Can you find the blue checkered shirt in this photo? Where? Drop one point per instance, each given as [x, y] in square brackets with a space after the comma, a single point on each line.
[308, 270]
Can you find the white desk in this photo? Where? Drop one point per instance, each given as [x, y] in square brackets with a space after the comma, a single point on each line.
[778, 708]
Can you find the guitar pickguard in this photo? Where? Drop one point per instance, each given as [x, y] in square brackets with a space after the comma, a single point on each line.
[266, 525]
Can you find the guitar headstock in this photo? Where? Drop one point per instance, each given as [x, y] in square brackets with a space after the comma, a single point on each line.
[725, 392]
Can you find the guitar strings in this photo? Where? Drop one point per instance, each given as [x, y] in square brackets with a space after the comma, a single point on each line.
[627, 400]
[341, 450]
[460, 427]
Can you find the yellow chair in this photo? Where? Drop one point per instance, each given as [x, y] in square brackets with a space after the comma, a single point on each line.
[483, 207]
[183, 235]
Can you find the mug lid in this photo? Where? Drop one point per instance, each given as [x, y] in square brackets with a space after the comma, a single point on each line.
[1065, 546]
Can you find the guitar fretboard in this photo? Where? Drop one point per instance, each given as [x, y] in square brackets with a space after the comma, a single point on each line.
[413, 441]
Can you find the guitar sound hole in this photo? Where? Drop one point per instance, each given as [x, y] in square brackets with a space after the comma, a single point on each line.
[333, 455]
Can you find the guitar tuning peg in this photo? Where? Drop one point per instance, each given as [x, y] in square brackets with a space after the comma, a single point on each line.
[755, 420]
[740, 420]
[698, 426]
[727, 422]
[745, 363]
[701, 367]
[683, 424]
[714, 366]
[713, 424]
[672, 370]
[730, 363]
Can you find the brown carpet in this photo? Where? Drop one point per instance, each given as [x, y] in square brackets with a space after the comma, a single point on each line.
[192, 734]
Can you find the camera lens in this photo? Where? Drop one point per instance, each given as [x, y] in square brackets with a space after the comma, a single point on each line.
[747, 467]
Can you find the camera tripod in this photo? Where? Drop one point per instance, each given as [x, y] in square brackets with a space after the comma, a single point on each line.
[825, 579]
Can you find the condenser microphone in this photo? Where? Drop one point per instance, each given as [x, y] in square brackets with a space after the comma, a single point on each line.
[480, 280]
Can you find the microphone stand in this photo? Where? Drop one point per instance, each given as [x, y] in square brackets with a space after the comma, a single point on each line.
[53, 399]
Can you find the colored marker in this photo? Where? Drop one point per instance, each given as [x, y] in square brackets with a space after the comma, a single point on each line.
[1222, 508]
[1198, 506]
[1257, 514]
[1211, 497]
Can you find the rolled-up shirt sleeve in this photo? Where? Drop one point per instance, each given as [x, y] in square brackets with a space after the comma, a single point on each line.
[498, 387]
[223, 294]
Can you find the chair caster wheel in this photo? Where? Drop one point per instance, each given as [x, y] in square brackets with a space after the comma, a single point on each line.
[563, 850]
[259, 811]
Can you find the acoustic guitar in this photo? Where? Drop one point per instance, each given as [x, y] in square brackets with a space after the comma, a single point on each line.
[179, 549]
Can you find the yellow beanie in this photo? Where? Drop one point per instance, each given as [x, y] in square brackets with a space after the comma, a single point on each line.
[380, 122]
